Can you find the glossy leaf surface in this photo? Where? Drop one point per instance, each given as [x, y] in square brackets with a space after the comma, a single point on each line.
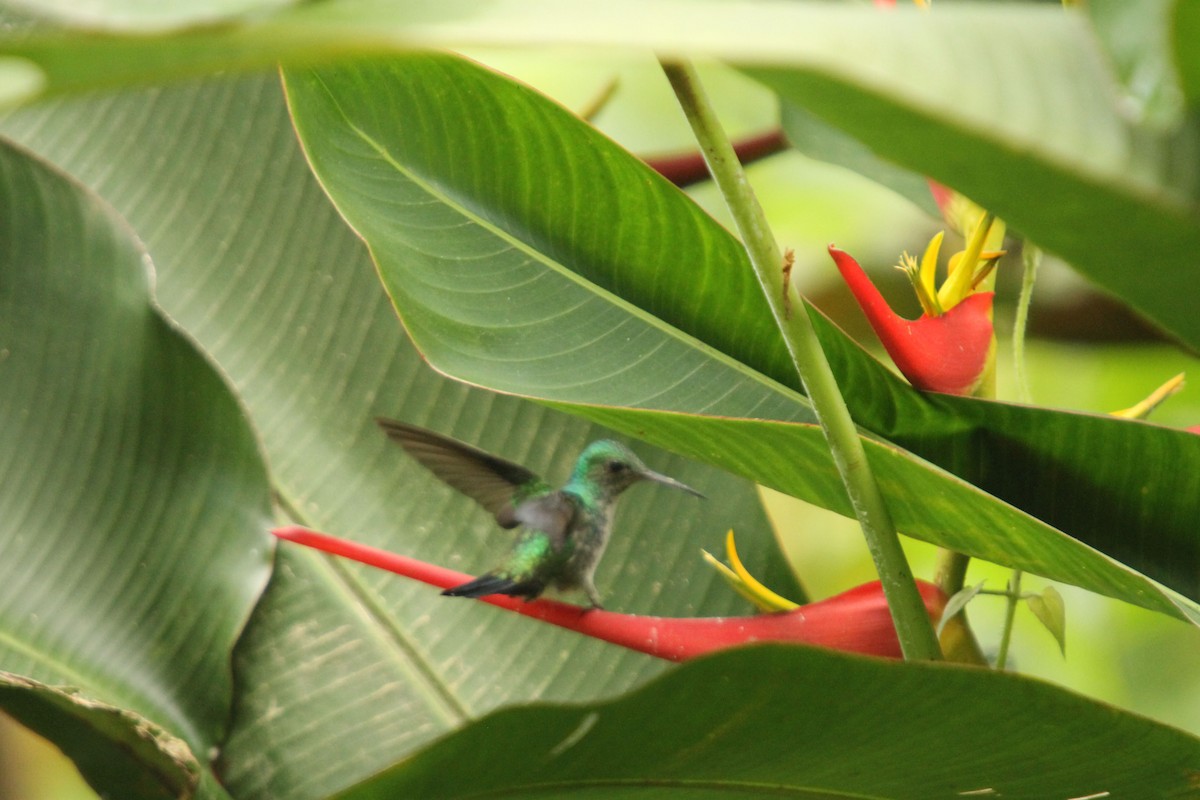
[1012, 104]
[258, 267]
[512, 266]
[134, 503]
[822, 725]
[1063, 165]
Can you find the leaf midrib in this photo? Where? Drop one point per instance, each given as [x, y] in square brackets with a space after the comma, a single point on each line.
[442, 698]
[534, 254]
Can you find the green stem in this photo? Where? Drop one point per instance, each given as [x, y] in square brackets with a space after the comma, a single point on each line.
[950, 577]
[913, 627]
[952, 566]
[1010, 613]
[951, 572]
[1007, 593]
[1032, 258]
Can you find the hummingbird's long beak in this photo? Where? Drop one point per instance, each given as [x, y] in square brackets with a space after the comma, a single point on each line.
[658, 477]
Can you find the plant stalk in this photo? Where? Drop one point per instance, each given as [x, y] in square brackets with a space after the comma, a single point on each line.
[1010, 613]
[1031, 256]
[917, 638]
[951, 572]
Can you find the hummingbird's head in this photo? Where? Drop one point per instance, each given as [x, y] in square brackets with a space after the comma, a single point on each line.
[608, 468]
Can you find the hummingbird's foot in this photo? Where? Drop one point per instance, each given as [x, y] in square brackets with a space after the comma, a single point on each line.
[593, 596]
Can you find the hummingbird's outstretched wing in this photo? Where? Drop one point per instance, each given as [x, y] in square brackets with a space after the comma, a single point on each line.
[496, 484]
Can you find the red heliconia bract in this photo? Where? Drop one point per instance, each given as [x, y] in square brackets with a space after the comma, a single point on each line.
[856, 621]
[942, 195]
[948, 353]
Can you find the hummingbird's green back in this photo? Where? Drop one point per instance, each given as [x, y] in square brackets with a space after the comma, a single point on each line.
[563, 533]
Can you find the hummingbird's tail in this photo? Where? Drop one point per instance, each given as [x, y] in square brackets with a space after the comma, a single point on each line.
[497, 584]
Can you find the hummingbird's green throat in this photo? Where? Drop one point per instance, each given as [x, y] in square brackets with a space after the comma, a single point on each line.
[563, 531]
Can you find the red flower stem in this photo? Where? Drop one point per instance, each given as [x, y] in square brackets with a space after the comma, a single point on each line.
[393, 562]
[855, 621]
[686, 169]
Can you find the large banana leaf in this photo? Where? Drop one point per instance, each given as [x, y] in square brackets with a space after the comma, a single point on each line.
[1135, 38]
[519, 257]
[1043, 464]
[820, 140]
[258, 267]
[134, 504]
[1013, 104]
[774, 722]
[1184, 29]
[1062, 166]
[139, 15]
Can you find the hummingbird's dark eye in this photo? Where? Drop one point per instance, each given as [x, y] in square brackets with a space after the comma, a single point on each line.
[616, 467]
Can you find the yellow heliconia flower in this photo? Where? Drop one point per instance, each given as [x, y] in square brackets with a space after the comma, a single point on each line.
[1142, 410]
[745, 584]
[968, 270]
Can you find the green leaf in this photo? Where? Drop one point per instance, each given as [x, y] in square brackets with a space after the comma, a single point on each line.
[1076, 180]
[817, 139]
[957, 602]
[1049, 609]
[134, 502]
[260, 269]
[1081, 181]
[1183, 32]
[800, 722]
[144, 15]
[932, 93]
[500, 253]
[115, 749]
[20, 80]
[1136, 38]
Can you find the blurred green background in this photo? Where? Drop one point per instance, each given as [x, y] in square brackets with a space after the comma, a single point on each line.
[1085, 352]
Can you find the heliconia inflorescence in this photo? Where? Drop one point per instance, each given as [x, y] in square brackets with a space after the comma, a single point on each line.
[950, 348]
[856, 621]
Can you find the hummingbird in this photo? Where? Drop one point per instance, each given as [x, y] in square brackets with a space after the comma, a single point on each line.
[563, 531]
